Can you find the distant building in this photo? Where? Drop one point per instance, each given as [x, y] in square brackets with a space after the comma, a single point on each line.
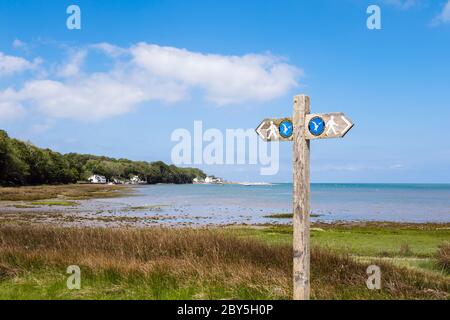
[97, 179]
[209, 179]
[136, 180]
[212, 179]
[198, 180]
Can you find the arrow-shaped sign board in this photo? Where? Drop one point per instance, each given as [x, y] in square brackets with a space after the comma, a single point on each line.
[327, 125]
[317, 126]
[276, 129]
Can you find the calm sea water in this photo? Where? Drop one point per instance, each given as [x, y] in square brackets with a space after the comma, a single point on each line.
[224, 204]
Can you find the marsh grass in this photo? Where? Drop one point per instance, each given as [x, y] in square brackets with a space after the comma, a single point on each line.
[70, 192]
[405, 250]
[184, 264]
[370, 238]
[443, 257]
[54, 203]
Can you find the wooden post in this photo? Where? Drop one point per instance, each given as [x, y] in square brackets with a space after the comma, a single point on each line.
[301, 206]
[302, 128]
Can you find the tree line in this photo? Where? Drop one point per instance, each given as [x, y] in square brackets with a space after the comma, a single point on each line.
[22, 163]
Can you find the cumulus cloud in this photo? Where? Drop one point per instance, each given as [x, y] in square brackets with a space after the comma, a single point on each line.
[224, 79]
[145, 73]
[10, 64]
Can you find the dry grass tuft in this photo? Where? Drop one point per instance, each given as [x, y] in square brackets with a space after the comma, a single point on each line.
[6, 272]
[443, 257]
[405, 250]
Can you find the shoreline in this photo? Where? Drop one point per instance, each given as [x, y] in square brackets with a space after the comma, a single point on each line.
[91, 205]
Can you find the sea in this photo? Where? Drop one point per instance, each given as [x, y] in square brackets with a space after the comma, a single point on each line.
[210, 204]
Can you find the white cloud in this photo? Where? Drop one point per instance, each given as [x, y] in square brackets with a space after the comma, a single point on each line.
[95, 97]
[18, 44]
[444, 16]
[11, 64]
[224, 79]
[146, 73]
[72, 68]
[10, 110]
[110, 49]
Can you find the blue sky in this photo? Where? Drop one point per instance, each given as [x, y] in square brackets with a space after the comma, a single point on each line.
[107, 89]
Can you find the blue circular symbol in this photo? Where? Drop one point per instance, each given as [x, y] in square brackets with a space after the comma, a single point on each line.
[286, 128]
[316, 126]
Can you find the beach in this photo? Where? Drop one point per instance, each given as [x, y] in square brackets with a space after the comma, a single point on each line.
[210, 204]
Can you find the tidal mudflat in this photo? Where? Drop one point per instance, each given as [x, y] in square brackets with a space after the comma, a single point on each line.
[211, 205]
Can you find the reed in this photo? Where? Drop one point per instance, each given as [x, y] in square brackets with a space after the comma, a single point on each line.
[201, 263]
[443, 257]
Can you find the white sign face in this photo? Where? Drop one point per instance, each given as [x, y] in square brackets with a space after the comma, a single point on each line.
[317, 126]
[327, 125]
[276, 129]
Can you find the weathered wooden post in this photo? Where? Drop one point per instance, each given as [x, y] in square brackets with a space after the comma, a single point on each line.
[301, 204]
[300, 129]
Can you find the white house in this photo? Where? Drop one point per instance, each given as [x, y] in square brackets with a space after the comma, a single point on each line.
[97, 179]
[209, 180]
[213, 180]
[136, 180]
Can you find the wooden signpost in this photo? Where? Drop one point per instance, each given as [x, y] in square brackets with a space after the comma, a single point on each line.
[300, 129]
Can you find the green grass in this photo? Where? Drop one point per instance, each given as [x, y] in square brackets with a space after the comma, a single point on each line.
[50, 284]
[220, 263]
[54, 203]
[382, 240]
[370, 240]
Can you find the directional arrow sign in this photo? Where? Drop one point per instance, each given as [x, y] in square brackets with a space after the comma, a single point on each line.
[317, 126]
[276, 129]
[304, 126]
[327, 125]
